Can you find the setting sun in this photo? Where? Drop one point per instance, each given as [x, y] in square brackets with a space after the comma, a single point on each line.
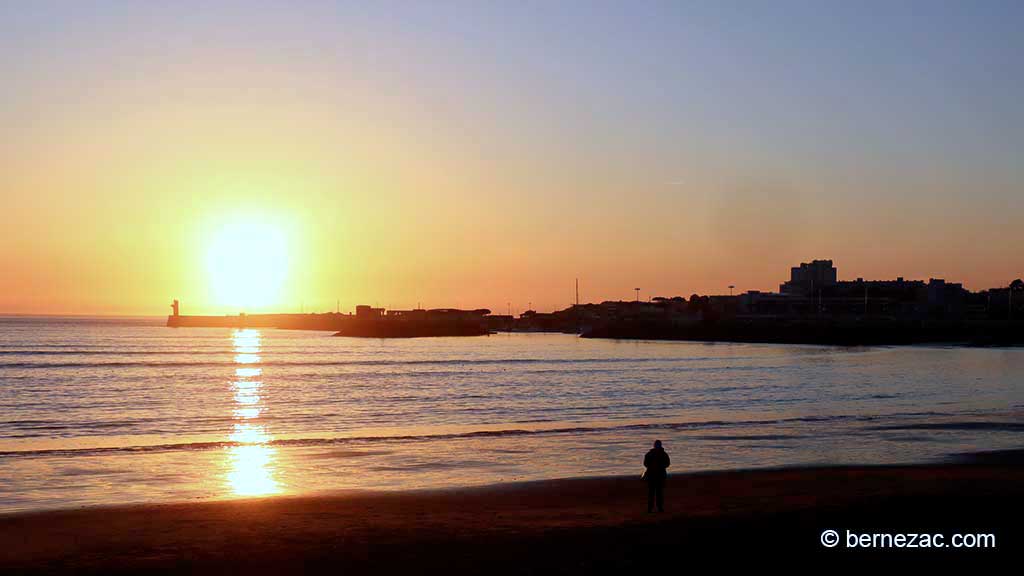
[499, 287]
[247, 264]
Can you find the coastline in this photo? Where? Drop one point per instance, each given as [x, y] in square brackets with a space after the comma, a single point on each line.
[823, 332]
[580, 525]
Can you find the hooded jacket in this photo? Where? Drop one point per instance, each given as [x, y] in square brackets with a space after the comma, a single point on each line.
[656, 461]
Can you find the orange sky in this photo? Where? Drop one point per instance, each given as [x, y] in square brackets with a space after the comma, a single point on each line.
[419, 160]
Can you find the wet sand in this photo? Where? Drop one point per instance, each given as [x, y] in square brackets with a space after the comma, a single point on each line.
[581, 526]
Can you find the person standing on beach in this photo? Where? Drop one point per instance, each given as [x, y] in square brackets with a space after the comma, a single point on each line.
[656, 463]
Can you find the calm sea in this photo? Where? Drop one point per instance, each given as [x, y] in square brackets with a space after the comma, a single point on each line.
[97, 411]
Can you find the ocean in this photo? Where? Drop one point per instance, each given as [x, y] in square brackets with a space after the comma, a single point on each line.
[122, 410]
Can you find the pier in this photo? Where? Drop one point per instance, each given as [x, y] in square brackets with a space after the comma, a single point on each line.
[367, 322]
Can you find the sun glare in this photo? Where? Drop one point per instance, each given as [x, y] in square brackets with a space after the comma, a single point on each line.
[251, 463]
[247, 263]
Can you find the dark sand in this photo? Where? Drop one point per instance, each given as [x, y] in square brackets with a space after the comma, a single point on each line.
[564, 526]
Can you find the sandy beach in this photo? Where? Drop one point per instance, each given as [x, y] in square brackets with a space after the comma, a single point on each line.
[561, 526]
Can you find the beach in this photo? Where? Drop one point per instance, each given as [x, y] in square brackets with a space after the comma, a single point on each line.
[581, 526]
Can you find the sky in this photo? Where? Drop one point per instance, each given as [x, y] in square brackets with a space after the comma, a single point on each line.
[311, 155]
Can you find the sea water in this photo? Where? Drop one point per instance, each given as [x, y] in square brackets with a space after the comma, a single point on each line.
[100, 410]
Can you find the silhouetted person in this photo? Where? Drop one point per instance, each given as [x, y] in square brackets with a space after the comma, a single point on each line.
[656, 463]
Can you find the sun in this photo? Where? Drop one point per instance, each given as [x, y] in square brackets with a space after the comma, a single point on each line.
[247, 264]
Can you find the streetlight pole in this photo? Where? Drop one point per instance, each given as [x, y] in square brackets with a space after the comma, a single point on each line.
[637, 294]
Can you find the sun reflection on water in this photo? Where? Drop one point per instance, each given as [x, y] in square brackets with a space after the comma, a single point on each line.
[250, 473]
[251, 462]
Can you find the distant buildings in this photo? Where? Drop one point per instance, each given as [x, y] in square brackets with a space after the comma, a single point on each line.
[813, 289]
[813, 306]
[367, 312]
[808, 277]
[813, 294]
[380, 323]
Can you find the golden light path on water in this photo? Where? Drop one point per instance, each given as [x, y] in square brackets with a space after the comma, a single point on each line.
[251, 462]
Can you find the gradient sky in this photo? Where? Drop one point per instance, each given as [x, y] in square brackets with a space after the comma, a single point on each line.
[480, 153]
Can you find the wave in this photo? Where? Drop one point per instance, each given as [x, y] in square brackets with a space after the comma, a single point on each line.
[110, 352]
[492, 433]
[308, 363]
[956, 426]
